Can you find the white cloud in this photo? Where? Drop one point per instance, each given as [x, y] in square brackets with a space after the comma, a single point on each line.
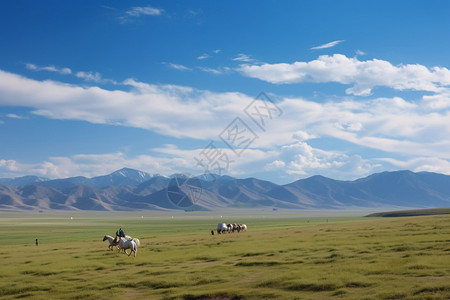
[192, 113]
[392, 127]
[139, 11]
[275, 165]
[203, 56]
[8, 165]
[421, 164]
[302, 159]
[90, 76]
[90, 165]
[63, 71]
[244, 58]
[327, 45]
[437, 101]
[14, 116]
[363, 75]
[87, 76]
[359, 52]
[210, 70]
[216, 71]
[94, 77]
[388, 124]
[177, 66]
[207, 55]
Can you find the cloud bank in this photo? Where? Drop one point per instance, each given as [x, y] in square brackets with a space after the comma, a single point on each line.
[403, 134]
[362, 75]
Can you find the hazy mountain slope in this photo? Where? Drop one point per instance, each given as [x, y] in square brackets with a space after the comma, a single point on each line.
[128, 189]
[21, 181]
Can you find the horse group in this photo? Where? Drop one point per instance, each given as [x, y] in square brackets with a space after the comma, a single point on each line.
[127, 242]
[228, 228]
[123, 243]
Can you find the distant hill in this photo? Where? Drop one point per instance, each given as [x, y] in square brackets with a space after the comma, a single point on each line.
[412, 213]
[123, 176]
[129, 189]
[25, 180]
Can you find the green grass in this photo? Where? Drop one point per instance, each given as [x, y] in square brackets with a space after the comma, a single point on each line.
[280, 257]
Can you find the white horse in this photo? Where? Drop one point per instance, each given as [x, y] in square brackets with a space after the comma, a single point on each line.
[138, 243]
[111, 240]
[222, 228]
[124, 244]
[243, 227]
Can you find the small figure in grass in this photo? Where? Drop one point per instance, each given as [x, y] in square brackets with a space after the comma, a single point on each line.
[37, 243]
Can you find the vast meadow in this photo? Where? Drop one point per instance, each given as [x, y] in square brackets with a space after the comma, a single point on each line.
[295, 255]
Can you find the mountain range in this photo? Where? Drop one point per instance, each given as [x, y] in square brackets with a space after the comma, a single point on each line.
[129, 189]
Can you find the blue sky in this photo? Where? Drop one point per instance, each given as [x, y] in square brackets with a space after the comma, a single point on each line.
[350, 88]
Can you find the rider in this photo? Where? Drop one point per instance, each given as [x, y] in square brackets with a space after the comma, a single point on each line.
[120, 233]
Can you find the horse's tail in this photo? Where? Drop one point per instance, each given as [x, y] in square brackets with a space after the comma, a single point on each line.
[138, 243]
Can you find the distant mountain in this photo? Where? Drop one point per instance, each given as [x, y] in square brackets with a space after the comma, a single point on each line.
[123, 176]
[129, 189]
[25, 180]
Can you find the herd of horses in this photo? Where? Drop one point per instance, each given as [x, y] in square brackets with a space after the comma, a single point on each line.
[228, 228]
[127, 242]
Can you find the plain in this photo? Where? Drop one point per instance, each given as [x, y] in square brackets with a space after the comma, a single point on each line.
[281, 256]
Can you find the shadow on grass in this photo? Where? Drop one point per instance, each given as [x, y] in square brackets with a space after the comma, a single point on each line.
[311, 287]
[213, 297]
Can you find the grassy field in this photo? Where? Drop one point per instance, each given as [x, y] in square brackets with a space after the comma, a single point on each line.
[280, 257]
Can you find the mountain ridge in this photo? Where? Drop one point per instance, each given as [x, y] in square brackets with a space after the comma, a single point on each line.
[129, 189]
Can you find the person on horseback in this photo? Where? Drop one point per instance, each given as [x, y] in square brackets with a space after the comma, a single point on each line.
[120, 233]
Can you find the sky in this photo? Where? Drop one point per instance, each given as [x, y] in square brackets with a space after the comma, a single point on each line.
[277, 90]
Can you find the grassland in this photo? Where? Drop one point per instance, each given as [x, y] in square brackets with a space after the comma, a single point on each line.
[280, 257]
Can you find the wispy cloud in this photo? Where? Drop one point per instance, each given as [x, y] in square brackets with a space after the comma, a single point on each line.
[94, 77]
[89, 76]
[33, 67]
[138, 11]
[208, 55]
[216, 71]
[210, 70]
[177, 66]
[244, 58]
[14, 116]
[203, 56]
[359, 52]
[327, 45]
